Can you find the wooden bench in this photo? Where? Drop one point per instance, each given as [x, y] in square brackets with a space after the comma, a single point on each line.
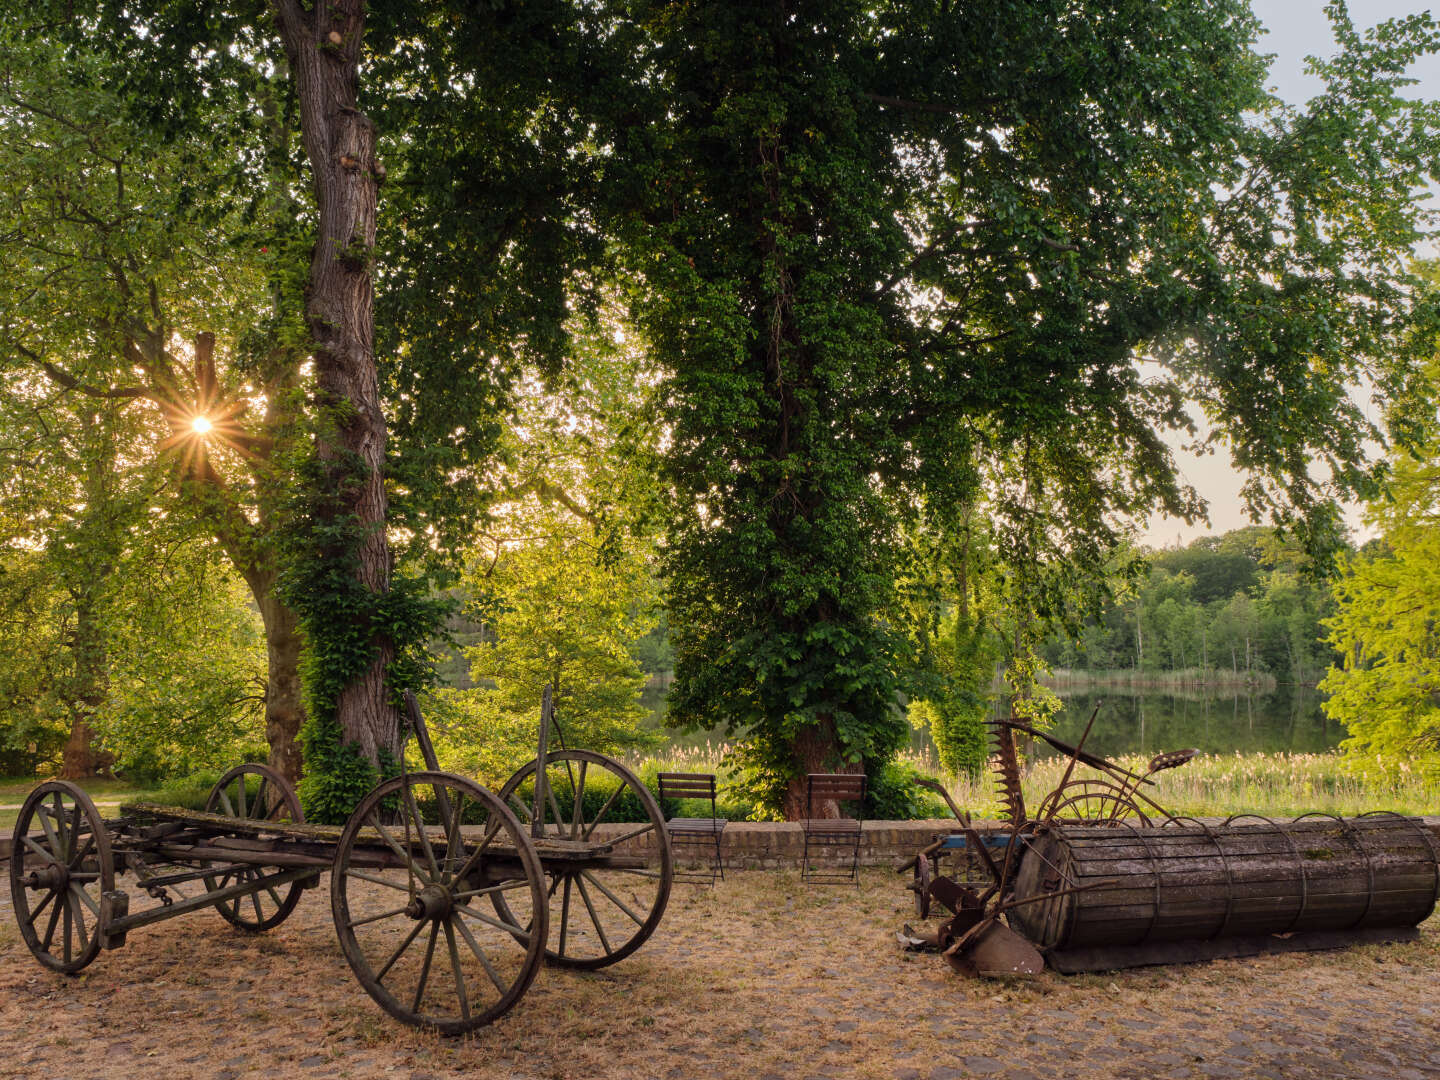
[840, 833]
[701, 832]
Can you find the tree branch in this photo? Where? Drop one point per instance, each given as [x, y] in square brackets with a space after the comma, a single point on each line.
[63, 378]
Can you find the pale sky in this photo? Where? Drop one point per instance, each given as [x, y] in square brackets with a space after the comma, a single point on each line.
[1297, 29]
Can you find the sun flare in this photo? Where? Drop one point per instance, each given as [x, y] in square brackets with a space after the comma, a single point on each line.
[201, 425]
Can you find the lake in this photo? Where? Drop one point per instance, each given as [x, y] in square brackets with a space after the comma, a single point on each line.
[1288, 718]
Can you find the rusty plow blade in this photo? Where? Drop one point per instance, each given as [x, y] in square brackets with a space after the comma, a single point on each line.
[995, 951]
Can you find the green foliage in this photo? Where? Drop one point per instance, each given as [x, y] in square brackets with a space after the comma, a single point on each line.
[188, 791]
[891, 795]
[1386, 689]
[956, 712]
[474, 737]
[564, 580]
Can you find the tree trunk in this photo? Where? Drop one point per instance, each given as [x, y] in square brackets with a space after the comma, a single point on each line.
[323, 46]
[284, 702]
[817, 750]
[81, 760]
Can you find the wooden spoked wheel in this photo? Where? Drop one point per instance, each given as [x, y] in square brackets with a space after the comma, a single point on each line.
[408, 890]
[1092, 802]
[254, 792]
[597, 915]
[57, 876]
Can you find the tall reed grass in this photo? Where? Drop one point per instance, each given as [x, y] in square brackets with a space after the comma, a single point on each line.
[1191, 679]
[1211, 785]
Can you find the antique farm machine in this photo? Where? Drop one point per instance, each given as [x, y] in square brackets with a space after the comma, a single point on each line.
[446, 896]
[1101, 876]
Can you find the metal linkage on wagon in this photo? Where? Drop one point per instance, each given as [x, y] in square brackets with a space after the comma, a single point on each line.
[446, 896]
[1103, 877]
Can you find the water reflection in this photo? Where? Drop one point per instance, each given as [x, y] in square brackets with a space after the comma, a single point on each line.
[1288, 718]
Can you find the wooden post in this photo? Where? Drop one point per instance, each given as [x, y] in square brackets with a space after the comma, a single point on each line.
[537, 820]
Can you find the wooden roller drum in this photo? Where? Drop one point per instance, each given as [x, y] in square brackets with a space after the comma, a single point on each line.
[1250, 878]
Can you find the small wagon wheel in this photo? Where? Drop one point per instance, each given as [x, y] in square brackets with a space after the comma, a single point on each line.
[1091, 802]
[597, 915]
[58, 875]
[403, 894]
[273, 799]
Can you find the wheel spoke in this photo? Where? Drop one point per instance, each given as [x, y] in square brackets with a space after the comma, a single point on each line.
[414, 812]
[377, 880]
[42, 852]
[240, 795]
[405, 856]
[577, 818]
[79, 915]
[376, 918]
[594, 918]
[425, 967]
[459, 975]
[480, 955]
[632, 834]
[260, 812]
[69, 928]
[72, 837]
[520, 809]
[54, 922]
[38, 908]
[84, 896]
[225, 802]
[565, 914]
[554, 806]
[510, 928]
[255, 902]
[613, 898]
[603, 811]
[504, 886]
[474, 860]
[79, 856]
[453, 845]
[399, 950]
[43, 813]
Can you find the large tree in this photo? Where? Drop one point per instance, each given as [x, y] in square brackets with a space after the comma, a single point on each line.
[147, 269]
[884, 244]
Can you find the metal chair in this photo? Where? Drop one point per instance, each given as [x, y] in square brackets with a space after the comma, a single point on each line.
[834, 834]
[695, 832]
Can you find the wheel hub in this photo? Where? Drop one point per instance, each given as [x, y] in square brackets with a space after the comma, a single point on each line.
[432, 902]
[54, 876]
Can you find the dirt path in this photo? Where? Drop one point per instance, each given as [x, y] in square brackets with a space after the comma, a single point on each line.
[761, 978]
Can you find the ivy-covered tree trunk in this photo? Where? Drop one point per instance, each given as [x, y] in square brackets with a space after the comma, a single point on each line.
[284, 698]
[323, 46]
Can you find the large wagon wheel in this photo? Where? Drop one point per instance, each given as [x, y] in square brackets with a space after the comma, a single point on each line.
[57, 877]
[1092, 802]
[273, 799]
[403, 897]
[597, 916]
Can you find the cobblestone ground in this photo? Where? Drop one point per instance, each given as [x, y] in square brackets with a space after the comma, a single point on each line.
[761, 978]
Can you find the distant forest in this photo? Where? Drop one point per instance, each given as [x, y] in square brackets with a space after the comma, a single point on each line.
[1240, 603]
